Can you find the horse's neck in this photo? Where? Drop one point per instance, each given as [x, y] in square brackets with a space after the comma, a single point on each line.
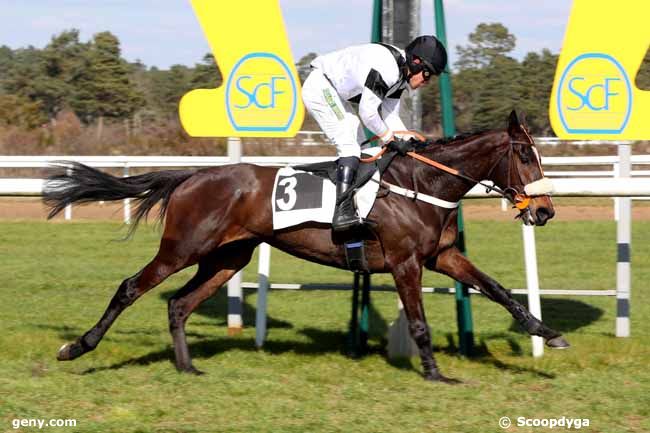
[474, 157]
[477, 157]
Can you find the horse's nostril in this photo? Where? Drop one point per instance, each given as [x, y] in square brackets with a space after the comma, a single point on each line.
[544, 214]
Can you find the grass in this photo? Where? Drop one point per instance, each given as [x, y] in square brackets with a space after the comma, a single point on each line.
[58, 278]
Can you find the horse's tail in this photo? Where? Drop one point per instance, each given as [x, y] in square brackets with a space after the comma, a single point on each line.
[73, 182]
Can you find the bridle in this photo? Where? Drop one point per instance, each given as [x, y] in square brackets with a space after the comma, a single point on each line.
[519, 199]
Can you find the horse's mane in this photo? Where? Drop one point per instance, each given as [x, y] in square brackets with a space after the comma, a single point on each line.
[458, 137]
[432, 144]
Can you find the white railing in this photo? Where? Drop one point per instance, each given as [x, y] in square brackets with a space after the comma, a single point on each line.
[570, 183]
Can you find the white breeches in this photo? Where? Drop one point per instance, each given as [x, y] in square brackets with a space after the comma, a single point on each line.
[336, 117]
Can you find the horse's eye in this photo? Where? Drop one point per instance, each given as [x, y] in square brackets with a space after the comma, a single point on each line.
[524, 153]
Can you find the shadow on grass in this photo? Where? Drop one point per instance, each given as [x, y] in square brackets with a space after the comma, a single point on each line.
[321, 342]
[563, 315]
[480, 355]
[216, 308]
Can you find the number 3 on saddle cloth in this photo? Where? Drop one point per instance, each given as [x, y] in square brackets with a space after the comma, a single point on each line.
[300, 197]
[307, 193]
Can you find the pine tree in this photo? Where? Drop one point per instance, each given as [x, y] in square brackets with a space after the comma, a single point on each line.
[537, 75]
[105, 88]
[168, 87]
[500, 93]
[206, 75]
[487, 42]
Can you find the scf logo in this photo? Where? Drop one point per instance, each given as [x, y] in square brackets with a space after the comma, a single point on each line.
[261, 94]
[591, 96]
[594, 95]
[269, 91]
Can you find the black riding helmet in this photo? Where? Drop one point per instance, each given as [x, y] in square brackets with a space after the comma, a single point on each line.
[430, 51]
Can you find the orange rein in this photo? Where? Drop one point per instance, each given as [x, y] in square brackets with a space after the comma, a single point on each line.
[383, 149]
[521, 201]
[412, 154]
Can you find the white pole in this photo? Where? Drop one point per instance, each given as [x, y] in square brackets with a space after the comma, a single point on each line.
[532, 282]
[264, 267]
[235, 298]
[68, 209]
[127, 201]
[623, 236]
[617, 200]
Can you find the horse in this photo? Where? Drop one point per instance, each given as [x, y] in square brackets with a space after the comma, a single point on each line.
[215, 217]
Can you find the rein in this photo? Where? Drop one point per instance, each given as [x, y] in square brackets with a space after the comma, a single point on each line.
[520, 200]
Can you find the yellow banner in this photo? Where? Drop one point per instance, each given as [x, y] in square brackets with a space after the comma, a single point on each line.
[594, 93]
[260, 95]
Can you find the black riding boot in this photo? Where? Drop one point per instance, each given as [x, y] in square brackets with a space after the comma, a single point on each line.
[345, 215]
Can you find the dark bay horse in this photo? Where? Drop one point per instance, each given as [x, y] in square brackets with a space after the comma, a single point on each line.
[215, 218]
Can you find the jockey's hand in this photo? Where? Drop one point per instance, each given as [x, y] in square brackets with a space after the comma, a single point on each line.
[400, 146]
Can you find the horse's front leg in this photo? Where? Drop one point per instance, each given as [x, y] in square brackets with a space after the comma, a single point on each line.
[452, 263]
[408, 277]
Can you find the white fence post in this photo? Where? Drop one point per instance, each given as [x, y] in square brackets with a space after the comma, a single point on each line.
[68, 209]
[127, 201]
[235, 298]
[264, 267]
[623, 236]
[532, 283]
[617, 200]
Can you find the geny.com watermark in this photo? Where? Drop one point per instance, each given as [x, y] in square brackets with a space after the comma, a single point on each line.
[41, 423]
[562, 422]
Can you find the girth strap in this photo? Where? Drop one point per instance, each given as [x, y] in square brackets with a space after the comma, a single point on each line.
[419, 196]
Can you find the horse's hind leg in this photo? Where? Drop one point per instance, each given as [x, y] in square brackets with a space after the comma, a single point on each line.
[130, 290]
[451, 262]
[214, 270]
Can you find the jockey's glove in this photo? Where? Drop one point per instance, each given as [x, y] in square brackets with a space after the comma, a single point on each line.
[400, 146]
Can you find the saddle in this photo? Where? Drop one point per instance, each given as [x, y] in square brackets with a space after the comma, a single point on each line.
[327, 170]
[354, 243]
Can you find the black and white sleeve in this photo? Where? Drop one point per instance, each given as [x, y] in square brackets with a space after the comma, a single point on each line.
[374, 92]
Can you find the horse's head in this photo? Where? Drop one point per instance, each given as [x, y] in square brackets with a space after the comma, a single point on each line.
[519, 173]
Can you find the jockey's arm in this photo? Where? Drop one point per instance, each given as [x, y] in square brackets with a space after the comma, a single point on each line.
[372, 95]
[390, 114]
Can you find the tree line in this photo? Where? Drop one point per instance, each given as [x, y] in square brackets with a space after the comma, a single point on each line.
[91, 81]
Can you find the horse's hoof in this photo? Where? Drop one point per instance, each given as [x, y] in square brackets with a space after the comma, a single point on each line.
[558, 343]
[437, 377]
[70, 351]
[191, 370]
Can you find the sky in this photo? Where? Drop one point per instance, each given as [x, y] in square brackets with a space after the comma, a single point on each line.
[166, 32]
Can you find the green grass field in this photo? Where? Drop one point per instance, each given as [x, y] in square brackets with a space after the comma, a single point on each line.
[57, 279]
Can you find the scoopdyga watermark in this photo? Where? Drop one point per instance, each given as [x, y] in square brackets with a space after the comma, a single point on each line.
[550, 423]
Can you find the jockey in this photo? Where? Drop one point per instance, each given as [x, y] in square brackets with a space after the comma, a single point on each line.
[374, 76]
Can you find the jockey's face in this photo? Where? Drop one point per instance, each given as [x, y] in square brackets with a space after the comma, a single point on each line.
[420, 79]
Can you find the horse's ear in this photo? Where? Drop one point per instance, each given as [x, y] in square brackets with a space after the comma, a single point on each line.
[513, 123]
[522, 119]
